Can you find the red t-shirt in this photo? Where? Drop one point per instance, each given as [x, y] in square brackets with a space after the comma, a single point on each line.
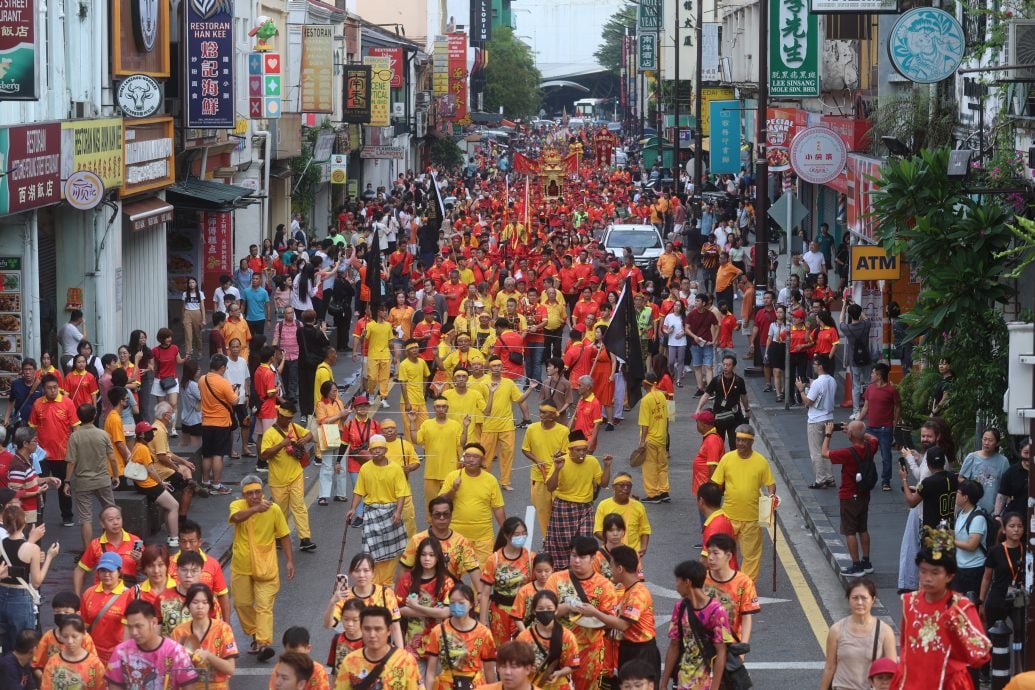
[53, 421]
[718, 523]
[266, 388]
[880, 404]
[454, 295]
[849, 468]
[165, 359]
[712, 449]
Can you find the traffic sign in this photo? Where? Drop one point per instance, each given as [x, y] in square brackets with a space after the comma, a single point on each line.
[779, 211]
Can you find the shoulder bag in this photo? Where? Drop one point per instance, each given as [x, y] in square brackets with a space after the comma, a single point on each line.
[33, 592]
[371, 678]
[298, 451]
[264, 556]
[735, 675]
[233, 417]
[459, 682]
[512, 357]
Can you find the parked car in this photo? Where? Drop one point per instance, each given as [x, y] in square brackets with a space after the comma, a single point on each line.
[575, 124]
[643, 239]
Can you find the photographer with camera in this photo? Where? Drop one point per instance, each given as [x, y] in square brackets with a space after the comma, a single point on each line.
[858, 478]
[819, 396]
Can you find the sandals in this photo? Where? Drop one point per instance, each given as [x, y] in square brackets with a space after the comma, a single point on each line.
[322, 501]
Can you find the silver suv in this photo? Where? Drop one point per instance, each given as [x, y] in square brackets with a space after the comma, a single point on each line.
[643, 239]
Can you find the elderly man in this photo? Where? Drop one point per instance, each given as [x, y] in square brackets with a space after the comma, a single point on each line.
[589, 413]
[174, 470]
[129, 547]
[815, 262]
[283, 447]
[383, 488]
[743, 473]
[543, 440]
[573, 485]
[402, 453]
[254, 571]
[477, 500]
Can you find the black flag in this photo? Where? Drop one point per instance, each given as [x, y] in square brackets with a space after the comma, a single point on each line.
[373, 277]
[622, 340]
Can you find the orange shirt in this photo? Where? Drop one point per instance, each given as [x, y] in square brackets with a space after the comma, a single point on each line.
[541, 646]
[107, 631]
[218, 641]
[215, 388]
[117, 433]
[737, 595]
[468, 650]
[48, 646]
[637, 607]
[826, 339]
[53, 421]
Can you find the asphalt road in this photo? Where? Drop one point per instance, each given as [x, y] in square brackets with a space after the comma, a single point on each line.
[788, 632]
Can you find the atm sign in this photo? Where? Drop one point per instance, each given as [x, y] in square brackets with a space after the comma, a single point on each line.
[873, 263]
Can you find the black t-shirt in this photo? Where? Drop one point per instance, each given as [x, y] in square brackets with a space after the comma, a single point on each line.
[1014, 485]
[939, 494]
[1007, 565]
[726, 394]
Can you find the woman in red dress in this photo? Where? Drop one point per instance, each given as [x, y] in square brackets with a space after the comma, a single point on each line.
[603, 374]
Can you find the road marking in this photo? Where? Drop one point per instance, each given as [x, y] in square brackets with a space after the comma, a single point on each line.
[786, 665]
[813, 614]
[666, 593]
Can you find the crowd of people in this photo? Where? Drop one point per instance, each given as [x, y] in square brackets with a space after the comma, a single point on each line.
[498, 300]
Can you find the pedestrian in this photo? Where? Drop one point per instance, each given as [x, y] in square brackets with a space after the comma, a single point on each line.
[854, 499]
[75, 662]
[504, 572]
[193, 316]
[257, 305]
[819, 397]
[917, 470]
[16, 664]
[24, 392]
[1013, 488]
[653, 422]
[459, 555]
[147, 656]
[53, 417]
[167, 357]
[775, 353]
[856, 332]
[104, 607]
[881, 410]
[213, 647]
[1002, 584]
[574, 482]
[729, 397]
[283, 449]
[388, 665]
[268, 391]
[27, 567]
[477, 500]
[81, 383]
[190, 404]
[175, 471]
[857, 641]
[370, 594]
[91, 470]
[986, 466]
[543, 439]
[700, 324]
[382, 487]
[218, 422]
[697, 650]
[240, 380]
[743, 473]
[114, 539]
[969, 533]
[933, 499]
[68, 337]
[150, 484]
[288, 336]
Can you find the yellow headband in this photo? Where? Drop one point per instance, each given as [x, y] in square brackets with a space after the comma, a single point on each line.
[413, 346]
[744, 434]
[578, 444]
[283, 411]
[474, 451]
[548, 406]
[252, 486]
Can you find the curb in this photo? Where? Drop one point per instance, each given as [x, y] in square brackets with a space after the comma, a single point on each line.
[822, 528]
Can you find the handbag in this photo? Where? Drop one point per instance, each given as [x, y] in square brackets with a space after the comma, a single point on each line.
[134, 471]
[167, 383]
[264, 557]
[298, 451]
[512, 357]
[233, 417]
[459, 682]
[33, 592]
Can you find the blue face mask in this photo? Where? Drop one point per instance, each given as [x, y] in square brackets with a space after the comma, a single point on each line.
[458, 610]
[519, 540]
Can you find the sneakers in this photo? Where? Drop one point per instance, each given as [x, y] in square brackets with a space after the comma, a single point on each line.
[855, 570]
[609, 427]
[768, 388]
[173, 542]
[506, 487]
[357, 522]
[303, 420]
[68, 522]
[652, 499]
[262, 466]
[664, 497]
[866, 565]
[220, 489]
[384, 404]
[524, 423]
[885, 487]
[698, 393]
[818, 485]
[307, 545]
[265, 654]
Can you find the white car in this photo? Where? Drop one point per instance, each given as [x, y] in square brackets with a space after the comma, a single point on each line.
[643, 239]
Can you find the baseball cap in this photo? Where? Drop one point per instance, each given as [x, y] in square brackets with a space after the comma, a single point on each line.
[360, 400]
[706, 416]
[882, 665]
[142, 428]
[109, 561]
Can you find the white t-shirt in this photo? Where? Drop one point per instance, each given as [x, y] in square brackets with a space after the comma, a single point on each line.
[69, 337]
[237, 373]
[191, 305]
[814, 260]
[678, 336]
[822, 393]
[219, 297]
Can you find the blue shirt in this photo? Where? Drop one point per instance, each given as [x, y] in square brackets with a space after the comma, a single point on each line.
[21, 401]
[255, 300]
[975, 558]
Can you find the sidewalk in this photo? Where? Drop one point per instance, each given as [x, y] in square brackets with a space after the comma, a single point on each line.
[784, 443]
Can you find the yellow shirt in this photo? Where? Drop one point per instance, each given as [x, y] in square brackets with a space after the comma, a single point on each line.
[465, 324]
[577, 480]
[556, 312]
[413, 375]
[466, 276]
[501, 300]
[741, 479]
[654, 416]
[265, 527]
[441, 444]
[454, 359]
[543, 443]
[470, 403]
[501, 416]
[378, 335]
[402, 453]
[381, 483]
[323, 374]
[634, 514]
[284, 467]
[473, 504]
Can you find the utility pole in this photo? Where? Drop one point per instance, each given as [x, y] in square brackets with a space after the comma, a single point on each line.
[761, 164]
[660, 82]
[675, 102]
[698, 78]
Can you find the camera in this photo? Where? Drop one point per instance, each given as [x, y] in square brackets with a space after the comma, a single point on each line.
[839, 426]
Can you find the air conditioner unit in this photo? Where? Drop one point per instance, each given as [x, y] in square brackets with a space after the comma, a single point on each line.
[423, 98]
[398, 109]
[1020, 49]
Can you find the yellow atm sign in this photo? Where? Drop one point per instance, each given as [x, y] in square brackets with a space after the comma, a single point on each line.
[873, 263]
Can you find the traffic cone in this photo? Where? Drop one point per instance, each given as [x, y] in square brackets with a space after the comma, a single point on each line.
[847, 402]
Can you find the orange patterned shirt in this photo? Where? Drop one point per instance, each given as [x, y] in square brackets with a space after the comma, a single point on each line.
[400, 673]
[468, 650]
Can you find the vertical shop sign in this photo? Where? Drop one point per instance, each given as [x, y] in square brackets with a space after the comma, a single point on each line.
[458, 72]
[647, 52]
[395, 55]
[481, 22]
[11, 321]
[380, 90]
[725, 136]
[264, 85]
[216, 228]
[357, 95]
[19, 54]
[209, 58]
[794, 47]
[440, 82]
[317, 68]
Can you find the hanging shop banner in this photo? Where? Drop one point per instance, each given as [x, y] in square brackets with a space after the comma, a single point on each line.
[317, 95]
[862, 173]
[646, 52]
[12, 321]
[94, 146]
[854, 6]
[794, 48]
[216, 231]
[710, 70]
[707, 96]
[264, 85]
[397, 64]
[380, 90]
[19, 52]
[781, 126]
[648, 15]
[818, 155]
[926, 45]
[725, 136]
[357, 95]
[140, 38]
[32, 155]
[209, 58]
[148, 155]
[481, 23]
[458, 72]
[440, 82]
[339, 168]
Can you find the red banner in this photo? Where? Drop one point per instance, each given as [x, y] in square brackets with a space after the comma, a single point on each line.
[525, 165]
[457, 55]
[396, 56]
[571, 164]
[216, 232]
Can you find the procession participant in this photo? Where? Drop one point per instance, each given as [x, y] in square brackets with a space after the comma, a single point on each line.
[521, 611]
[461, 651]
[653, 421]
[413, 374]
[504, 572]
[574, 485]
[734, 590]
[383, 488]
[498, 427]
[104, 607]
[216, 655]
[147, 655]
[589, 412]
[463, 355]
[376, 337]
[424, 589]
[555, 647]
[402, 453]
[211, 570]
[128, 547]
[457, 551]
[542, 441]
[283, 447]
[442, 438]
[361, 587]
[476, 499]
[638, 529]
[53, 417]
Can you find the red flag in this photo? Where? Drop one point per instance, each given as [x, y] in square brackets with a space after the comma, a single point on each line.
[571, 164]
[525, 165]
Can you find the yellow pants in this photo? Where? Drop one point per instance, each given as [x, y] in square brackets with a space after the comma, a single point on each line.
[253, 601]
[410, 431]
[292, 497]
[378, 372]
[502, 441]
[749, 538]
[384, 572]
[542, 499]
[482, 550]
[655, 470]
[409, 516]
[432, 488]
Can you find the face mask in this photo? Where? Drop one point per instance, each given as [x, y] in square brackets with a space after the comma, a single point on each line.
[519, 540]
[545, 617]
[458, 610]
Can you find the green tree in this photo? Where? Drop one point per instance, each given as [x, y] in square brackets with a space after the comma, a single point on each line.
[609, 54]
[511, 77]
[446, 154]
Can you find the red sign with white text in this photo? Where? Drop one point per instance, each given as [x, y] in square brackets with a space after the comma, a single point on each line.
[457, 53]
[216, 232]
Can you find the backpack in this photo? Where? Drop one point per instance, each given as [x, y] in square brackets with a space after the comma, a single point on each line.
[861, 352]
[866, 468]
[991, 529]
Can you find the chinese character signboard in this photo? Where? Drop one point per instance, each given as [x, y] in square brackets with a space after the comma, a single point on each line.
[380, 90]
[264, 85]
[725, 136]
[648, 15]
[317, 68]
[647, 52]
[794, 48]
[357, 94]
[781, 126]
[395, 55]
[216, 231]
[481, 23]
[710, 52]
[458, 72]
[140, 37]
[19, 54]
[707, 96]
[440, 83]
[209, 57]
[93, 145]
[32, 154]
[818, 155]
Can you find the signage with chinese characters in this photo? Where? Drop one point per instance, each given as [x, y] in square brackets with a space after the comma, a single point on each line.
[871, 262]
[93, 145]
[264, 85]
[397, 64]
[725, 136]
[854, 132]
[647, 52]
[19, 53]
[818, 155]
[862, 173]
[339, 168]
[854, 6]
[148, 154]
[317, 85]
[440, 80]
[926, 45]
[32, 156]
[458, 72]
[648, 15]
[395, 152]
[357, 94]
[84, 190]
[209, 57]
[781, 126]
[139, 96]
[707, 96]
[216, 230]
[710, 52]
[794, 49]
[380, 90]
[140, 37]
[481, 23]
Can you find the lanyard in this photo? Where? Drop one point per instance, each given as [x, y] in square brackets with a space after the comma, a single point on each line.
[1009, 562]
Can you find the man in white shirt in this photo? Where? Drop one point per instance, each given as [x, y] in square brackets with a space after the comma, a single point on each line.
[219, 295]
[237, 374]
[793, 284]
[813, 258]
[819, 397]
[69, 336]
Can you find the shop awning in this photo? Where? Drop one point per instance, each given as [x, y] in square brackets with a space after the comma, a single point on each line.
[146, 214]
[203, 195]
